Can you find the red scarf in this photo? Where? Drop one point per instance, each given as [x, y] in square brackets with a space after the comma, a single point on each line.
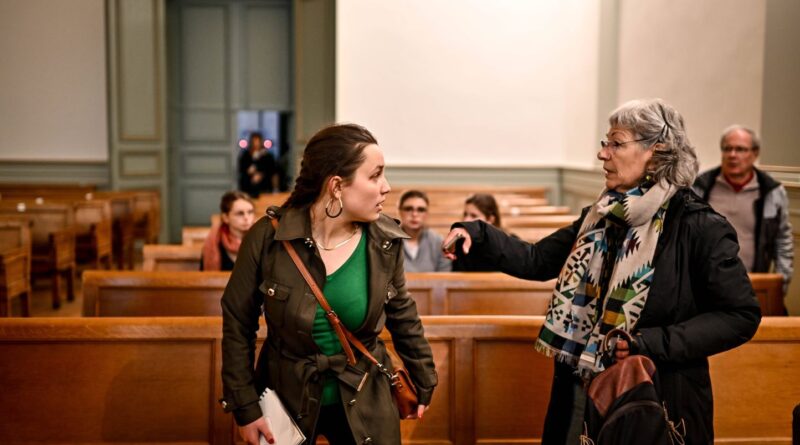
[212, 259]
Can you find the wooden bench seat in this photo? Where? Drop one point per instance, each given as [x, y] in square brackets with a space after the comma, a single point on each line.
[52, 239]
[158, 381]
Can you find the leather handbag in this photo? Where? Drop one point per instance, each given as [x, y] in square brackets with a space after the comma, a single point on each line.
[404, 392]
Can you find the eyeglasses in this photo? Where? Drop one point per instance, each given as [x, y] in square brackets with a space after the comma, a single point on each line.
[614, 145]
[409, 209]
[738, 149]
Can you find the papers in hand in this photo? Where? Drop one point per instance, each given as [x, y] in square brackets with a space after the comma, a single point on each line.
[283, 427]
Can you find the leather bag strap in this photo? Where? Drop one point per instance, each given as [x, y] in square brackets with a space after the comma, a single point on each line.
[345, 336]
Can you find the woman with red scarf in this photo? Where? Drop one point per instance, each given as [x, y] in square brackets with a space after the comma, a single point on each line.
[223, 241]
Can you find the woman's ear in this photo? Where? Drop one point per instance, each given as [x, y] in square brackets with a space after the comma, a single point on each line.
[334, 186]
[224, 217]
[659, 148]
[491, 219]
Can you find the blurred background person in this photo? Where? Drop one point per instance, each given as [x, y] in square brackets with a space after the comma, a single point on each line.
[237, 214]
[756, 205]
[482, 207]
[423, 251]
[478, 207]
[258, 171]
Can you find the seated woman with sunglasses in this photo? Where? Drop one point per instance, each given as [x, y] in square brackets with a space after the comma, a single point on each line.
[423, 251]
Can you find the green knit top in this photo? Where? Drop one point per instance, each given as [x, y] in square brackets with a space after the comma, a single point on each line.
[346, 290]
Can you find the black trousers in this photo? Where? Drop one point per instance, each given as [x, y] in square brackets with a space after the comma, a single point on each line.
[332, 423]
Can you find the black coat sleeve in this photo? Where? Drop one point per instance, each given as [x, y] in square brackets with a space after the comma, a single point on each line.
[241, 309]
[728, 312]
[540, 261]
[408, 336]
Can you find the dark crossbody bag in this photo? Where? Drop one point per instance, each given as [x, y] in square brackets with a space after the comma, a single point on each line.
[624, 406]
[404, 392]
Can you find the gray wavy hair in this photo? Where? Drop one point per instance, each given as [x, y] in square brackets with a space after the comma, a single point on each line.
[657, 122]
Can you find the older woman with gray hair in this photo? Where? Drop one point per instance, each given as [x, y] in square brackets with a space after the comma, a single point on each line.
[648, 257]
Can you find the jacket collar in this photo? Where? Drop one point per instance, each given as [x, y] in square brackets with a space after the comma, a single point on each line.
[296, 223]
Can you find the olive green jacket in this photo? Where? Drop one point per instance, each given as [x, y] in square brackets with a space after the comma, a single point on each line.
[265, 277]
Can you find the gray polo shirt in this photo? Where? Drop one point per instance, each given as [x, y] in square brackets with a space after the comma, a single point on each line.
[737, 208]
[428, 257]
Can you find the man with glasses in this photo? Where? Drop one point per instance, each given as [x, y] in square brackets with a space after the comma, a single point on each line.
[755, 204]
[423, 251]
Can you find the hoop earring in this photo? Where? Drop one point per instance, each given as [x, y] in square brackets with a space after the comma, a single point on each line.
[329, 207]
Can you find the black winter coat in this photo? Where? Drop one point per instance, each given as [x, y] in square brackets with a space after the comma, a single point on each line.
[700, 303]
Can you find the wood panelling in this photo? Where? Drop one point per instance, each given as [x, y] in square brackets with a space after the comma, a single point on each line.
[157, 381]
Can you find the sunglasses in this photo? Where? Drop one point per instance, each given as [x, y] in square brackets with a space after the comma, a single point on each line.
[410, 209]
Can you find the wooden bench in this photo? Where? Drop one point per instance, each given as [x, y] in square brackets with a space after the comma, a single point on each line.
[92, 224]
[129, 380]
[93, 241]
[53, 241]
[15, 265]
[122, 214]
[193, 293]
[152, 294]
[166, 293]
[147, 215]
[769, 291]
[123, 217]
[194, 235]
[174, 257]
[38, 189]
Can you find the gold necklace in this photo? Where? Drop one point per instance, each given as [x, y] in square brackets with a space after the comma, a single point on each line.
[342, 243]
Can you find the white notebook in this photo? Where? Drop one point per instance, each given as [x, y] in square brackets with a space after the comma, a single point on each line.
[283, 427]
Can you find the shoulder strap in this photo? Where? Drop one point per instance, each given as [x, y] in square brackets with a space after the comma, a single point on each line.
[345, 336]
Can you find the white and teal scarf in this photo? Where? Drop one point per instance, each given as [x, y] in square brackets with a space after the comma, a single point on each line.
[574, 325]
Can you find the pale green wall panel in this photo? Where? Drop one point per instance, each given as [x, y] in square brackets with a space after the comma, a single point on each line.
[199, 203]
[204, 69]
[137, 82]
[137, 99]
[140, 164]
[315, 66]
[205, 126]
[206, 164]
[268, 58]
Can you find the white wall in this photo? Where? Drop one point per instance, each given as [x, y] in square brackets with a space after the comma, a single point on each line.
[706, 58]
[53, 80]
[470, 82]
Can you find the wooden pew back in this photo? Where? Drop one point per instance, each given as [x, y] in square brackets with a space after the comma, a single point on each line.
[194, 235]
[131, 379]
[769, 291]
[194, 293]
[47, 218]
[15, 233]
[41, 189]
[152, 294]
[174, 257]
[477, 293]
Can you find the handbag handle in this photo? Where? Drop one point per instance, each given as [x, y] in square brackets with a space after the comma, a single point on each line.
[345, 336]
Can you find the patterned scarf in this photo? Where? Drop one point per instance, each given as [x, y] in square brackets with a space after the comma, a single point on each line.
[581, 311]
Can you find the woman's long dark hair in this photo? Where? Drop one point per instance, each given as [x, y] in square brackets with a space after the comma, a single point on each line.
[337, 150]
